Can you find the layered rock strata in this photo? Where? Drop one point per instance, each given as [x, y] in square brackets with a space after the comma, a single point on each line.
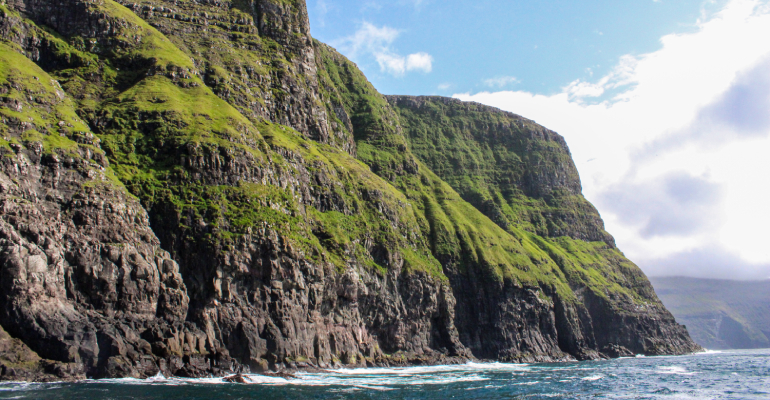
[199, 188]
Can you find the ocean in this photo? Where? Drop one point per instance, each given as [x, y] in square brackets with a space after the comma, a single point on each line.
[709, 375]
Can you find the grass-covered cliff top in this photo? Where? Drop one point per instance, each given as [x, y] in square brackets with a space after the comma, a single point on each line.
[505, 195]
[516, 172]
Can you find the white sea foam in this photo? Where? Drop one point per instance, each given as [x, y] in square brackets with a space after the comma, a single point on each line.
[157, 378]
[673, 370]
[127, 381]
[383, 380]
[160, 380]
[433, 369]
[593, 378]
[265, 380]
[11, 386]
[371, 378]
[527, 383]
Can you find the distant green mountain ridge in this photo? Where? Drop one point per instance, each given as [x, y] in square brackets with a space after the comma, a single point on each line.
[719, 314]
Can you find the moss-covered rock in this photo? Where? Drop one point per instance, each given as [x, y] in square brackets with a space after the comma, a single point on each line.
[310, 217]
[516, 172]
[508, 222]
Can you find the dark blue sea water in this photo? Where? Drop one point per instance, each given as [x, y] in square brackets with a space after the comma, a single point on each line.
[711, 375]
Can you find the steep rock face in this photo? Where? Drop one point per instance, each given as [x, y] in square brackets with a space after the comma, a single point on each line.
[502, 312]
[521, 175]
[287, 253]
[83, 274]
[19, 363]
[247, 245]
[552, 281]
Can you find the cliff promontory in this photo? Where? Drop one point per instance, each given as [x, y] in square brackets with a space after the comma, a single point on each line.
[199, 187]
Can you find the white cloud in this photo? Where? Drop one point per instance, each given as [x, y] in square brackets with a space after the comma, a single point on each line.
[377, 42]
[391, 63]
[419, 62]
[445, 86]
[370, 5]
[500, 81]
[692, 113]
[368, 39]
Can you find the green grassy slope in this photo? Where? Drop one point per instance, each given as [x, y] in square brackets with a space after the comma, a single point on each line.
[188, 111]
[410, 165]
[515, 171]
[160, 126]
[255, 56]
[457, 229]
[528, 244]
[35, 103]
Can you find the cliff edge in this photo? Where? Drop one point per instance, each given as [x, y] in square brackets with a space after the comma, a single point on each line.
[199, 188]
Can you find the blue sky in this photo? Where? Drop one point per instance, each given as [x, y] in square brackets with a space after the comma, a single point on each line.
[538, 46]
[665, 105]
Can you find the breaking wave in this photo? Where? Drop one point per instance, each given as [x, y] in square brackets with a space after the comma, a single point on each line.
[733, 374]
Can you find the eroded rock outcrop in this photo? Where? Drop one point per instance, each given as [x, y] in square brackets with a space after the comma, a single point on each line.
[83, 274]
[198, 188]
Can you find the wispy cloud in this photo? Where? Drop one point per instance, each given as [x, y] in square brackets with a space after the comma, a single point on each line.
[622, 76]
[500, 82]
[678, 142]
[377, 42]
[398, 65]
[419, 62]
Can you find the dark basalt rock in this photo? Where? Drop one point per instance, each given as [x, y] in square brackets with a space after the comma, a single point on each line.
[154, 217]
[615, 351]
[452, 137]
[19, 363]
[82, 273]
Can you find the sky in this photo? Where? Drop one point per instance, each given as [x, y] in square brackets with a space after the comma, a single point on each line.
[665, 105]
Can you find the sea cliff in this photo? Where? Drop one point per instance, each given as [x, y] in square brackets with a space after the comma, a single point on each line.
[199, 187]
